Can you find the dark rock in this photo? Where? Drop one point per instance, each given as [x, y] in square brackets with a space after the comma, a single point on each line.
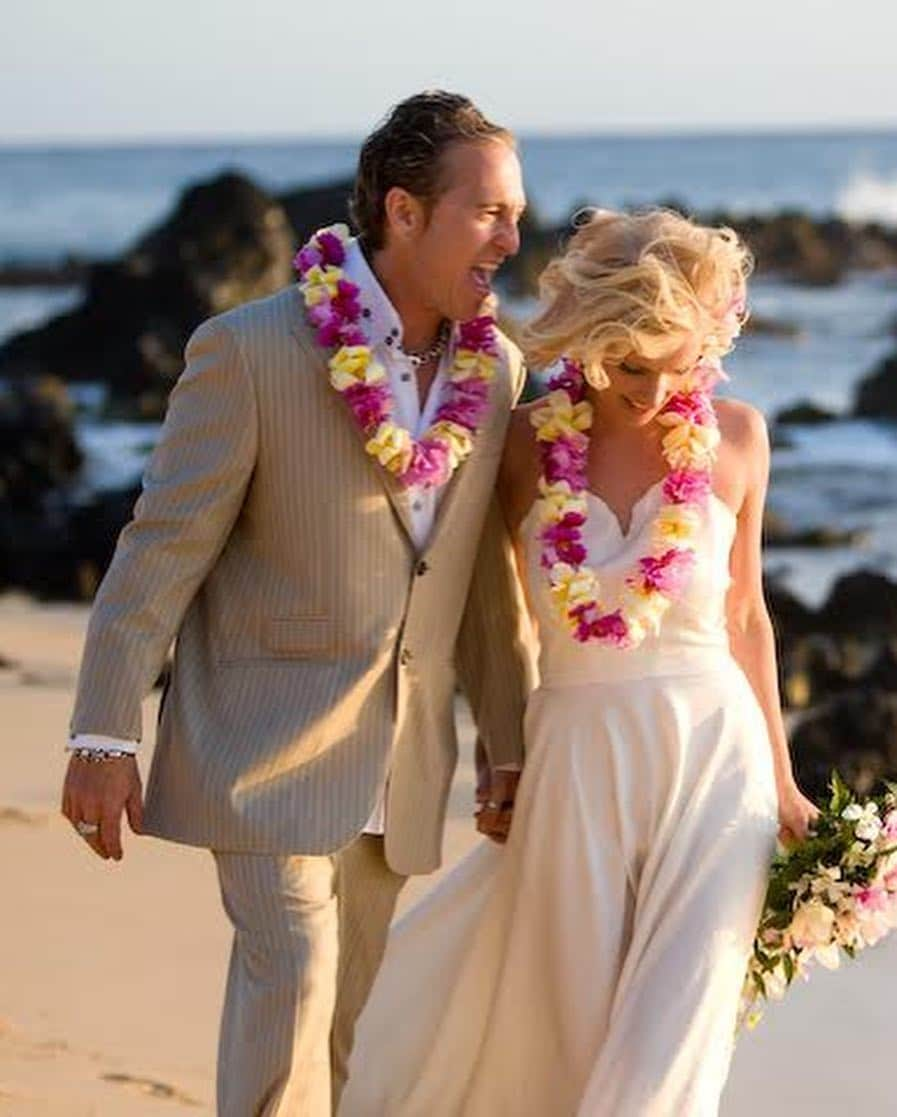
[70, 272]
[862, 605]
[773, 327]
[876, 395]
[790, 617]
[226, 242]
[778, 533]
[806, 413]
[856, 733]
[309, 208]
[38, 451]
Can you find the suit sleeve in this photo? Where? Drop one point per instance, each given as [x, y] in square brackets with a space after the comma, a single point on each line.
[495, 649]
[193, 490]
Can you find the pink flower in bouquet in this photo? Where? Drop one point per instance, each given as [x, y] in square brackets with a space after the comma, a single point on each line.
[890, 826]
[871, 899]
[687, 486]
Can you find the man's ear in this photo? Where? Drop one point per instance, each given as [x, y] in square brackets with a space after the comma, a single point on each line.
[405, 217]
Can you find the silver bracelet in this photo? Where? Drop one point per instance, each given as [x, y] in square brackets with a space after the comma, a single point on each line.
[95, 756]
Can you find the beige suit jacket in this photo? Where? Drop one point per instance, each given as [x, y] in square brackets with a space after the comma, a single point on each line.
[315, 650]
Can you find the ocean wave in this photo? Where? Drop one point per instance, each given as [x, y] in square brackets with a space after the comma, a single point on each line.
[869, 196]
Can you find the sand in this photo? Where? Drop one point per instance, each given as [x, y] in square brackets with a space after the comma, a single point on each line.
[111, 975]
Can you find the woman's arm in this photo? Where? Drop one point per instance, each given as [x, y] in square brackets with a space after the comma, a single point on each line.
[751, 635]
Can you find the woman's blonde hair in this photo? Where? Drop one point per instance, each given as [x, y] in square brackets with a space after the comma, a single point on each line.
[640, 283]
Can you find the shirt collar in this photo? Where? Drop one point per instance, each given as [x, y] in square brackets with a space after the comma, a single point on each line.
[380, 318]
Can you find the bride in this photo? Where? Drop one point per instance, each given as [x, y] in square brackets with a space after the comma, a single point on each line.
[593, 965]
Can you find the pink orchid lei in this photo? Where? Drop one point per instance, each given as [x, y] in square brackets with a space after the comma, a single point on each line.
[334, 310]
[659, 577]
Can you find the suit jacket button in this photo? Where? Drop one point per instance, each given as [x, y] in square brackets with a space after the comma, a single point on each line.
[422, 568]
[405, 657]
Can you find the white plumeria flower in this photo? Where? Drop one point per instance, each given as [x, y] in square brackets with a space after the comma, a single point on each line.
[868, 824]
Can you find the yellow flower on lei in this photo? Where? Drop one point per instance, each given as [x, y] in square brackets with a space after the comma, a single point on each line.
[690, 444]
[392, 447]
[321, 283]
[458, 438]
[468, 363]
[676, 526]
[558, 416]
[571, 586]
[557, 500]
[643, 610]
[352, 364]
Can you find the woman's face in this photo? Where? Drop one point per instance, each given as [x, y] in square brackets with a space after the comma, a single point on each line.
[638, 387]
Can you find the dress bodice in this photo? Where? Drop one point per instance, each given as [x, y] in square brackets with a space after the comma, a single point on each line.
[693, 631]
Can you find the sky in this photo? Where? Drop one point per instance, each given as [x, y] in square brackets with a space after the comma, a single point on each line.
[136, 70]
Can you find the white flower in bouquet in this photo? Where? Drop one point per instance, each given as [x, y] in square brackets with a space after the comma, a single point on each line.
[812, 925]
[833, 893]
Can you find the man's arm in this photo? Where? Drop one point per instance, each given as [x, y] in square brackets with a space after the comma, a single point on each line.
[494, 658]
[193, 490]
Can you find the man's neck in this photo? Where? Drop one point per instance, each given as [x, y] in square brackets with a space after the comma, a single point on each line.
[420, 323]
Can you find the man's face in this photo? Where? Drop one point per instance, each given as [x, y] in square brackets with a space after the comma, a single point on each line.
[472, 228]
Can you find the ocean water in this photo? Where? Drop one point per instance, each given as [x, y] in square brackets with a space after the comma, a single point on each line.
[94, 201]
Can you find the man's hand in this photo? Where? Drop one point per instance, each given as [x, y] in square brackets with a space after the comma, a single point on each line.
[95, 793]
[496, 791]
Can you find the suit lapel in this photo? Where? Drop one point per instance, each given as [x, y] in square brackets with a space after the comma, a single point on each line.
[398, 497]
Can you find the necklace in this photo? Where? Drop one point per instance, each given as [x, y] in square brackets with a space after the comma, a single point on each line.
[419, 357]
[333, 308]
[659, 577]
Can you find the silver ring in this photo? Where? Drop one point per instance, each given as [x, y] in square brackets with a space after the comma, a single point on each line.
[86, 828]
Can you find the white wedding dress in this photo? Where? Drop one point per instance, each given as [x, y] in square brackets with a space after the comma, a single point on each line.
[593, 965]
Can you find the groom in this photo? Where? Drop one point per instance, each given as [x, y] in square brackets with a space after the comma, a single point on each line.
[321, 604]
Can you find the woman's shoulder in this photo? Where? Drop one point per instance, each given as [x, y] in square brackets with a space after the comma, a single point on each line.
[741, 423]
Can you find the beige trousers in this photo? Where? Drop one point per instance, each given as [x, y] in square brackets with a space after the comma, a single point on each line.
[309, 936]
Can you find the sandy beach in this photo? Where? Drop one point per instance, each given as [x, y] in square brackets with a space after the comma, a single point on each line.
[111, 976]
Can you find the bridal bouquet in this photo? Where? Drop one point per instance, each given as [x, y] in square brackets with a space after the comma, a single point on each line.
[835, 891]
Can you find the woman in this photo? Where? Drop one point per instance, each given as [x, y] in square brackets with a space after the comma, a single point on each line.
[593, 966]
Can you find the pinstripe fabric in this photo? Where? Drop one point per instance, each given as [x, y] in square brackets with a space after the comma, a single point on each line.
[310, 652]
[367, 891]
[273, 1052]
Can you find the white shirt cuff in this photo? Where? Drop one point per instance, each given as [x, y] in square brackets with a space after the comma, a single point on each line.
[96, 741]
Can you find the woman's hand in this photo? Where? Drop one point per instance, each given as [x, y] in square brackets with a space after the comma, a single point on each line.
[796, 813]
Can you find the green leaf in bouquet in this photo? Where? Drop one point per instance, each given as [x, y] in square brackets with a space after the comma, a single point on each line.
[788, 962]
[841, 796]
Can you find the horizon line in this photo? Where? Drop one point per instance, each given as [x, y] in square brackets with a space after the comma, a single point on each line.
[609, 132]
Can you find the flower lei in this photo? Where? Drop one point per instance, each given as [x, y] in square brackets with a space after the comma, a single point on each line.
[334, 310]
[658, 578]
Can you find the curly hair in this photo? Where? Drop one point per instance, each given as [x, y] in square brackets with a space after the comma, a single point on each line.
[642, 283]
[406, 150]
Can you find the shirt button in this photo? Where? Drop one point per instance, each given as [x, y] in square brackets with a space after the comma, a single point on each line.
[405, 657]
[422, 567]
[406, 376]
[417, 505]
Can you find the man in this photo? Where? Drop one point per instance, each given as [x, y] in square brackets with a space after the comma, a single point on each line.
[320, 596]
